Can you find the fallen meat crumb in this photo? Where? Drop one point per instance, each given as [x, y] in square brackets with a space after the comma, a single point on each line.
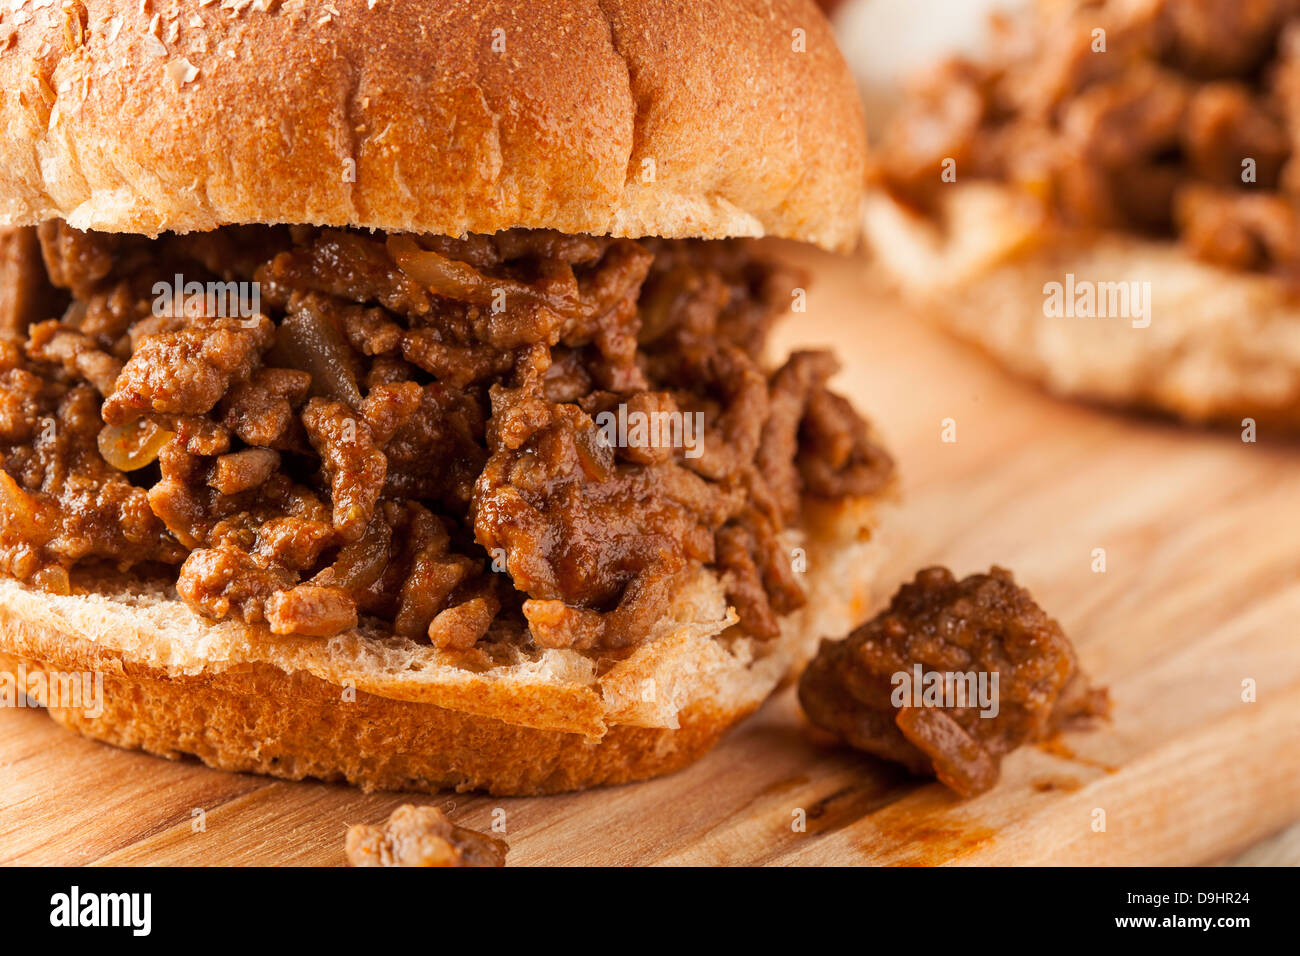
[950, 678]
[422, 836]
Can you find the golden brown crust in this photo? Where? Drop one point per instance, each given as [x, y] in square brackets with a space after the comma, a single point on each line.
[262, 720]
[462, 116]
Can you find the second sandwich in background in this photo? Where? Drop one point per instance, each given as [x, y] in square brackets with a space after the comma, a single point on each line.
[1107, 203]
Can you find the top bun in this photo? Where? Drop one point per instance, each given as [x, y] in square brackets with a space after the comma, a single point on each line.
[711, 118]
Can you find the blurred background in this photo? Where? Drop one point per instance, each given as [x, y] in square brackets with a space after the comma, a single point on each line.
[885, 41]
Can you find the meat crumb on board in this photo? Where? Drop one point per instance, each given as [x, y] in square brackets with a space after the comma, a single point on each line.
[422, 836]
[995, 672]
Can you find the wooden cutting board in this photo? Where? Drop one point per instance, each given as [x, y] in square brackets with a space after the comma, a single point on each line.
[1201, 592]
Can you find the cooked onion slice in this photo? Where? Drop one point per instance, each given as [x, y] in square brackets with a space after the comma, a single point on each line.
[312, 344]
[361, 563]
[53, 579]
[461, 281]
[132, 446]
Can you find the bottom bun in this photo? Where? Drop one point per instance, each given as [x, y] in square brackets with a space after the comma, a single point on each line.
[1219, 346]
[383, 712]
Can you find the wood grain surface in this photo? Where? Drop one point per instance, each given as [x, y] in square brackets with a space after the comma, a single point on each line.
[1201, 592]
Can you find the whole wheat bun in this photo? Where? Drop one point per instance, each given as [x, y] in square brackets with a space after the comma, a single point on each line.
[1221, 346]
[712, 118]
[385, 712]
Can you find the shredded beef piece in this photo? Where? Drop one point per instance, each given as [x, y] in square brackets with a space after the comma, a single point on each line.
[408, 416]
[945, 119]
[24, 398]
[792, 387]
[462, 625]
[981, 625]
[437, 451]
[422, 836]
[1118, 134]
[355, 466]
[311, 610]
[243, 470]
[838, 458]
[77, 260]
[739, 551]
[543, 243]
[185, 372]
[1220, 38]
[1223, 125]
[351, 267]
[455, 365]
[1243, 232]
[370, 331]
[1186, 125]
[698, 293]
[390, 405]
[434, 573]
[77, 353]
[261, 410]
[26, 293]
[727, 386]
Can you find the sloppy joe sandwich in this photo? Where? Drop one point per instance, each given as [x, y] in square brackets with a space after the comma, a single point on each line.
[383, 391]
[1108, 202]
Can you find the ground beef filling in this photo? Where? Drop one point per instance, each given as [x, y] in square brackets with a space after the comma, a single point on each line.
[864, 689]
[401, 418]
[1186, 124]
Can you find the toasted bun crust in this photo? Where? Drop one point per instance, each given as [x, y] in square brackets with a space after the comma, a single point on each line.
[384, 712]
[1220, 345]
[712, 118]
